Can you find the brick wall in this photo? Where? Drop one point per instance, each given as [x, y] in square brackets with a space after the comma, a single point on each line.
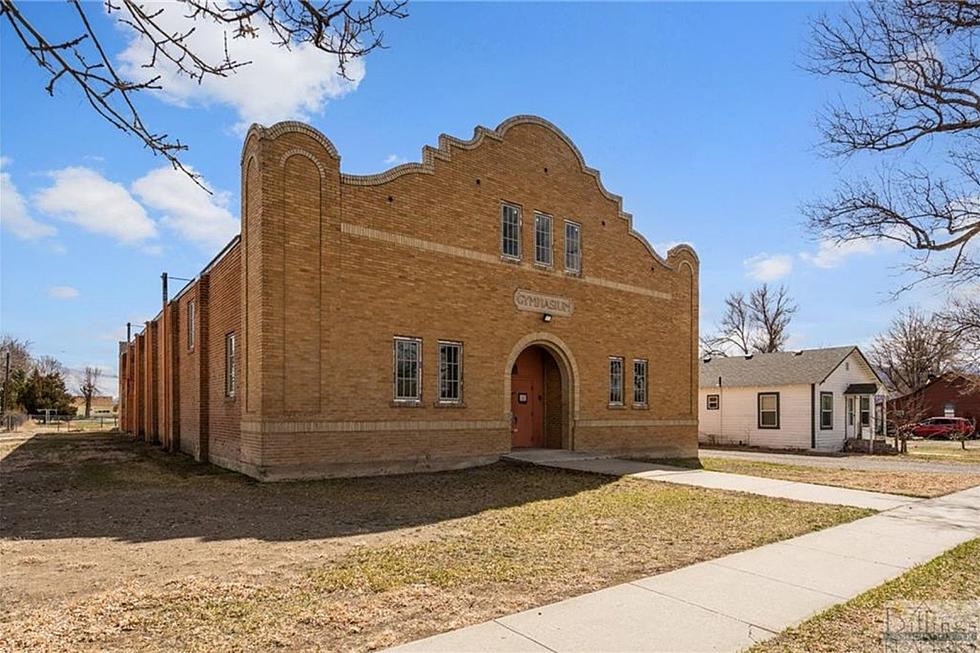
[331, 267]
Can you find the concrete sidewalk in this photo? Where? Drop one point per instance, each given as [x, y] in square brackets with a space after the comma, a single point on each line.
[733, 602]
[769, 487]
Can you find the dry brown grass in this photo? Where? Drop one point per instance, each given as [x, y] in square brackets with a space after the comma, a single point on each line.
[134, 549]
[944, 451]
[858, 624]
[910, 483]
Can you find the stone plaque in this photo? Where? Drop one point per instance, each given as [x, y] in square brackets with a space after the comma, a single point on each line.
[528, 300]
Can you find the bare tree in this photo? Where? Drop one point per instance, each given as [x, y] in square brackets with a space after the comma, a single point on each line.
[89, 387]
[735, 328]
[771, 312]
[46, 365]
[341, 28]
[914, 349]
[19, 350]
[916, 64]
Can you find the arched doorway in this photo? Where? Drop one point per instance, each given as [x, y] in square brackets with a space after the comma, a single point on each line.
[538, 400]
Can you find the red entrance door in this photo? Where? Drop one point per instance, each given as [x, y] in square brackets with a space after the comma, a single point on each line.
[527, 400]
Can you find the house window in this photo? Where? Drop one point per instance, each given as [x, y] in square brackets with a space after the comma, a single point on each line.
[408, 369]
[542, 239]
[230, 382]
[639, 382]
[850, 411]
[573, 247]
[865, 411]
[768, 410]
[190, 325]
[510, 231]
[949, 410]
[826, 410]
[450, 372]
[615, 381]
[713, 402]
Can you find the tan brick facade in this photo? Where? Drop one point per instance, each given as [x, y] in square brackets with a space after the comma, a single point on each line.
[331, 267]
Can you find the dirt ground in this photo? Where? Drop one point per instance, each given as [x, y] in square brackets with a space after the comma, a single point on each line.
[109, 544]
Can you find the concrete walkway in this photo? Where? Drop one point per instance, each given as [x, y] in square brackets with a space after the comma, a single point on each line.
[733, 602]
[769, 487]
[861, 463]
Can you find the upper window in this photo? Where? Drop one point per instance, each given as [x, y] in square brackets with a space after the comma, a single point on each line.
[510, 231]
[408, 369]
[615, 381]
[713, 402]
[450, 372]
[573, 247]
[230, 381]
[826, 410]
[542, 239]
[190, 325]
[639, 382]
[768, 410]
[949, 410]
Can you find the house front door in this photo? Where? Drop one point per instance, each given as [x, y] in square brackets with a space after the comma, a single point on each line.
[851, 422]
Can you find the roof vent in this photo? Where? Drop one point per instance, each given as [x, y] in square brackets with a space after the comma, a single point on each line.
[798, 353]
[748, 357]
[706, 359]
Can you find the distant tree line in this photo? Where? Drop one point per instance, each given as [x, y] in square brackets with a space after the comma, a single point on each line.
[34, 384]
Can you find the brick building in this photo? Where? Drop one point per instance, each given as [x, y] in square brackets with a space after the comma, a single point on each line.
[429, 317]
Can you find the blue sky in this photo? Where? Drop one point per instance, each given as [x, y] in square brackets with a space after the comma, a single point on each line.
[699, 115]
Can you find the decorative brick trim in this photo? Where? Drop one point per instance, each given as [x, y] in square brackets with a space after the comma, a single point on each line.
[460, 252]
[444, 153]
[299, 152]
[634, 423]
[305, 426]
[286, 127]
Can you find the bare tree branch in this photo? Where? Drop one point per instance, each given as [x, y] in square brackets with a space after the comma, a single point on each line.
[343, 29]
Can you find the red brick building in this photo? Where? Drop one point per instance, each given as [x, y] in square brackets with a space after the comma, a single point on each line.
[432, 316]
[947, 395]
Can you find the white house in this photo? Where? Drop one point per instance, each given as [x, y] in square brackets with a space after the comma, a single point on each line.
[810, 399]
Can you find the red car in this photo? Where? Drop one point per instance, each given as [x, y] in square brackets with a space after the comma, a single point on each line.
[943, 428]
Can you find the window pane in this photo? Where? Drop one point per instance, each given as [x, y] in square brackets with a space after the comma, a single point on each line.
[407, 369]
[542, 239]
[450, 372]
[639, 382]
[616, 381]
[510, 231]
[768, 419]
[573, 247]
[768, 402]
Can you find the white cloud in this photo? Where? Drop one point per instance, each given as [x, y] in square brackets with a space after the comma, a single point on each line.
[769, 268]
[830, 254]
[186, 208]
[14, 216]
[62, 292]
[83, 197]
[393, 159]
[279, 84]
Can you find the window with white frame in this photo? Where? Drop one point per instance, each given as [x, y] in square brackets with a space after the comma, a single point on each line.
[450, 372]
[949, 409]
[542, 239]
[408, 369]
[615, 381]
[639, 382]
[768, 410]
[826, 410]
[713, 402]
[191, 307]
[510, 231]
[865, 411]
[573, 247]
[230, 380]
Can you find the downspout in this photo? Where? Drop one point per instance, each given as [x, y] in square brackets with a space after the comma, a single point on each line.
[813, 416]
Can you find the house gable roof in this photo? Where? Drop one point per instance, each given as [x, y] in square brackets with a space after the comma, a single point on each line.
[779, 368]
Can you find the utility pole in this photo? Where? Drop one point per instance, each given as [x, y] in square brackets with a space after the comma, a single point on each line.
[6, 386]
